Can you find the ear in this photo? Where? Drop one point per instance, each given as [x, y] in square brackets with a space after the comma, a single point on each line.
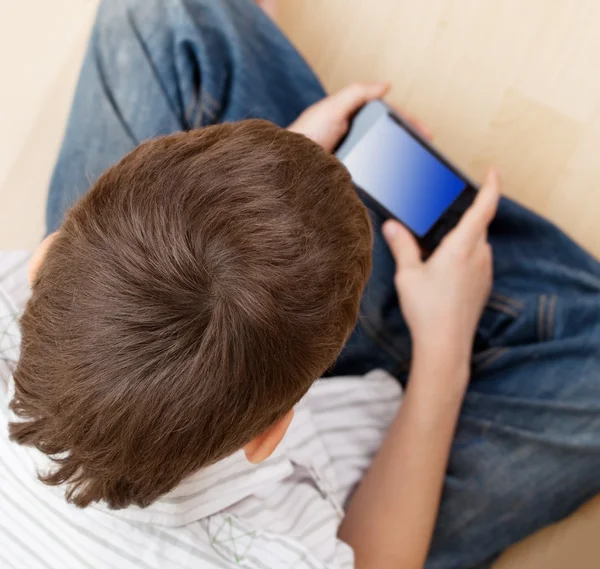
[260, 448]
[38, 256]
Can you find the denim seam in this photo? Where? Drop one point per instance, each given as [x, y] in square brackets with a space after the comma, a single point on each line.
[381, 339]
[497, 353]
[151, 62]
[508, 300]
[198, 119]
[209, 105]
[110, 96]
[582, 277]
[551, 312]
[216, 105]
[207, 111]
[541, 316]
[496, 305]
[205, 115]
[189, 112]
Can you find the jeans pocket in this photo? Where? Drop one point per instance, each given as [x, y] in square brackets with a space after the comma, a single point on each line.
[483, 360]
[510, 321]
[497, 329]
[500, 313]
[546, 310]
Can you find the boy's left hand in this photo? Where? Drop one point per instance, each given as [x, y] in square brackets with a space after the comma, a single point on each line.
[327, 121]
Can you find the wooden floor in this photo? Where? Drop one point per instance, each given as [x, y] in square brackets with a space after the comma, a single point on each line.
[507, 82]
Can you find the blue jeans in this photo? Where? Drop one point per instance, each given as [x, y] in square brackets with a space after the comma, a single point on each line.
[527, 449]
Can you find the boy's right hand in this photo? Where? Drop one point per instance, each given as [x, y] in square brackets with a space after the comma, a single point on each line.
[442, 298]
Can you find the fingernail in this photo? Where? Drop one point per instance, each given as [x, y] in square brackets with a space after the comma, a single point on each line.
[381, 85]
[389, 229]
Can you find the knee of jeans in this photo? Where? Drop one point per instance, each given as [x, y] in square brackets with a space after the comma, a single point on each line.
[113, 21]
[121, 31]
[114, 18]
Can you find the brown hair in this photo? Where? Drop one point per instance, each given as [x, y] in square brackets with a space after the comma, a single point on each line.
[188, 302]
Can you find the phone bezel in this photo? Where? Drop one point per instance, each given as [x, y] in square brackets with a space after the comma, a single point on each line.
[361, 124]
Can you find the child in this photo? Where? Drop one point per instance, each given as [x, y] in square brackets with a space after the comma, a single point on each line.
[182, 310]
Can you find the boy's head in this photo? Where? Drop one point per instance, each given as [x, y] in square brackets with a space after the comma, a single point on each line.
[186, 304]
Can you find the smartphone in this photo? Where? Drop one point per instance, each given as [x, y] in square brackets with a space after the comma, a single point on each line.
[400, 175]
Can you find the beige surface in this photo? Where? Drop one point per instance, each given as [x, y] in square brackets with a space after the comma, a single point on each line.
[572, 543]
[41, 47]
[501, 82]
[508, 82]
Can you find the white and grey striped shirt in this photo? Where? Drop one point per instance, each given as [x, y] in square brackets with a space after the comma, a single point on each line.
[283, 513]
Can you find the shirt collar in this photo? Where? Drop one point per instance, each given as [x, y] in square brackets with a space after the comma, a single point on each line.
[224, 483]
[202, 494]
[209, 490]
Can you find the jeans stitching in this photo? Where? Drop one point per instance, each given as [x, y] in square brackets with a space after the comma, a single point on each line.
[216, 105]
[189, 112]
[497, 305]
[541, 311]
[144, 47]
[197, 122]
[204, 113]
[550, 322]
[490, 359]
[190, 121]
[500, 302]
[111, 98]
[508, 300]
[209, 107]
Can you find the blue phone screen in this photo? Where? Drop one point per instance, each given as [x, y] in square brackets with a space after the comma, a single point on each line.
[402, 175]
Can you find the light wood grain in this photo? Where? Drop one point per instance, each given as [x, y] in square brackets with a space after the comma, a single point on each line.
[500, 82]
[41, 48]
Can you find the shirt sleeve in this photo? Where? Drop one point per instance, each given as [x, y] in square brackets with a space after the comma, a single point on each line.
[242, 545]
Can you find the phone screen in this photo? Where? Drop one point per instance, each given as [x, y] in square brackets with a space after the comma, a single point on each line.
[398, 171]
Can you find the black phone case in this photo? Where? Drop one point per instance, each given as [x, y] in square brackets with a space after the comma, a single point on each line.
[451, 215]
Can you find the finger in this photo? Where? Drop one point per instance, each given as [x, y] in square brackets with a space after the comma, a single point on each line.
[420, 127]
[347, 101]
[474, 223]
[402, 244]
[415, 123]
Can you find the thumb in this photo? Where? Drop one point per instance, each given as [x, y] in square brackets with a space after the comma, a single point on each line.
[347, 101]
[402, 244]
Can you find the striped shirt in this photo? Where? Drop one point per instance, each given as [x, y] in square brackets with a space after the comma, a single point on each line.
[283, 513]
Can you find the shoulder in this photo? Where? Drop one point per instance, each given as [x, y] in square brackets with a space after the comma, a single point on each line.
[242, 542]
